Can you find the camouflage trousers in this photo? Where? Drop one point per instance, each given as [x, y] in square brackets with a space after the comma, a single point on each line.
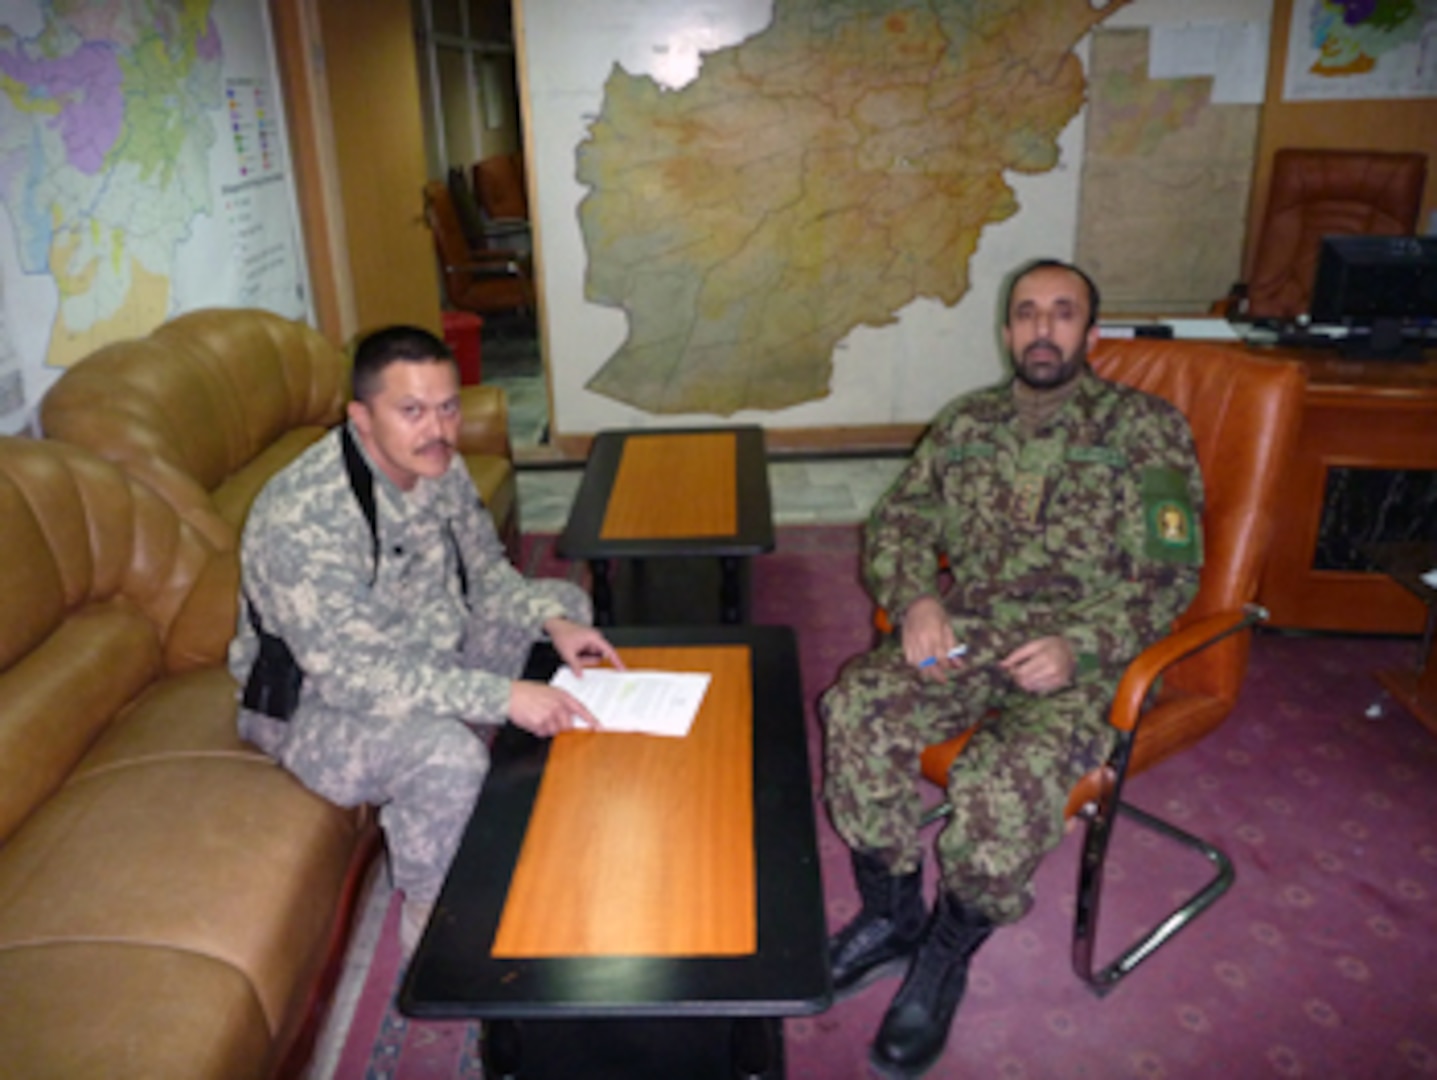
[1008, 788]
[423, 772]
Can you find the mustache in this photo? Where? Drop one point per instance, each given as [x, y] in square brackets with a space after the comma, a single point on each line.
[433, 444]
[1041, 343]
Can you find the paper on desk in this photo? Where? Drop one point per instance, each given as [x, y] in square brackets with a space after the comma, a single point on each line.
[650, 702]
[1198, 329]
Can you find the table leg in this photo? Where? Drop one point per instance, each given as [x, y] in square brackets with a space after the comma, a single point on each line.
[731, 605]
[501, 1054]
[1426, 669]
[693, 1048]
[756, 1049]
[1416, 690]
[602, 592]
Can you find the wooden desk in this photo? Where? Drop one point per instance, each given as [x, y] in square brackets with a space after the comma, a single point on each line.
[1358, 415]
[624, 905]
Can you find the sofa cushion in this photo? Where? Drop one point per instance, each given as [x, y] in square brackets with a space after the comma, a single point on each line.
[237, 494]
[203, 846]
[61, 697]
[109, 1009]
[494, 479]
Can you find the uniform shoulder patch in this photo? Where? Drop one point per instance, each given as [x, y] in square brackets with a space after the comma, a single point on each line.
[1171, 526]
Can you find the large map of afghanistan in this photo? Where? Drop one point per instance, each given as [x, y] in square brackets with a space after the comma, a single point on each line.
[104, 144]
[815, 178]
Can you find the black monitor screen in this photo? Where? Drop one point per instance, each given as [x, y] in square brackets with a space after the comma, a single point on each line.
[1361, 278]
[1382, 287]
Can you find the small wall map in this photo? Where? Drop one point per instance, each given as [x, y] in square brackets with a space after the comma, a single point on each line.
[1163, 170]
[1352, 49]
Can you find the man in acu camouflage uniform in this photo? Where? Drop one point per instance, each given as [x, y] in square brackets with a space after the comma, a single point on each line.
[1068, 510]
[380, 617]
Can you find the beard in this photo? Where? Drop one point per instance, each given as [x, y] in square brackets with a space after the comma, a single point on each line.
[1051, 369]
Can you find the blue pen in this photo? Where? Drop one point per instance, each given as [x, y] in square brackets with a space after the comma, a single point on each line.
[953, 654]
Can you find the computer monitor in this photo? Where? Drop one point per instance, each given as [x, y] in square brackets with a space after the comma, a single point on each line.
[1382, 289]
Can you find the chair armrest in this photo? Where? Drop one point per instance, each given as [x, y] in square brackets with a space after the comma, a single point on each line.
[506, 227]
[484, 421]
[1140, 675]
[494, 263]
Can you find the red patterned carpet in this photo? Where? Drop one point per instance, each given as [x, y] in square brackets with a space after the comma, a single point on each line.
[1321, 961]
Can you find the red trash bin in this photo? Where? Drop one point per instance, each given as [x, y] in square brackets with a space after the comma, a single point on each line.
[461, 334]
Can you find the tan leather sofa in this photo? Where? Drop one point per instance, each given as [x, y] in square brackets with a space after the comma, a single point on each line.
[172, 904]
[213, 403]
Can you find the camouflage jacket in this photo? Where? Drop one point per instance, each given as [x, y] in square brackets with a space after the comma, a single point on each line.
[381, 628]
[1089, 529]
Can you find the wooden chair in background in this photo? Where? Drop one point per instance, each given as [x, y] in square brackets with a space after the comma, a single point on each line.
[485, 281]
[1244, 413]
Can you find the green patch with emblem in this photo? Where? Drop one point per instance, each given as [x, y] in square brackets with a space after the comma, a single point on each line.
[1171, 527]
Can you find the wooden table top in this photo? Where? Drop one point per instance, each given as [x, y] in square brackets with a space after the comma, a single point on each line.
[642, 845]
[674, 485]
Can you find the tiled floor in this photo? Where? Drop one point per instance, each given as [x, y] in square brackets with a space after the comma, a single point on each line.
[809, 491]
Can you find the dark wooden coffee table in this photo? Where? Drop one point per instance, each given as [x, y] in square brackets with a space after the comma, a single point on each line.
[634, 906]
[675, 514]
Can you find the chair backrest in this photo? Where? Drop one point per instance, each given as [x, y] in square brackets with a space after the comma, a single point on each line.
[443, 219]
[1244, 413]
[500, 183]
[466, 207]
[1317, 193]
[205, 408]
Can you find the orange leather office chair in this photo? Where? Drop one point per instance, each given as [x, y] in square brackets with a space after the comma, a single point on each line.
[486, 281]
[1317, 193]
[1244, 414]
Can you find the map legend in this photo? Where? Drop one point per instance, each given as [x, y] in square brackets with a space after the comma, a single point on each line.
[253, 126]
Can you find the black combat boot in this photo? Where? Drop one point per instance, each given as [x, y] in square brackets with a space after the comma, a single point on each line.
[915, 1028]
[885, 932]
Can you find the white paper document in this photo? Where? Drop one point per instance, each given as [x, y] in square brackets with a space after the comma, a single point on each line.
[649, 702]
[1199, 329]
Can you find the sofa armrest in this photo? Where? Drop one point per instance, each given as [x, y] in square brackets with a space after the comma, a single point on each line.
[484, 422]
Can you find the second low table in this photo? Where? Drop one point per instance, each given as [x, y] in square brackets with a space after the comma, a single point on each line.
[680, 511]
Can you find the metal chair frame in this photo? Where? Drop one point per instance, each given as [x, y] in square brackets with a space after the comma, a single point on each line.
[1100, 817]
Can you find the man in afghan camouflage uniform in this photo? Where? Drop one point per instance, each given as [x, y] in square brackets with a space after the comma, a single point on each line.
[1067, 508]
[374, 580]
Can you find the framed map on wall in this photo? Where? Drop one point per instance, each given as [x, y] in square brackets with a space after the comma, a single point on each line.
[144, 172]
[797, 213]
[1354, 49]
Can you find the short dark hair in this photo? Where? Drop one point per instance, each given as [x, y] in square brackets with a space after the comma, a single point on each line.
[409, 344]
[1051, 264]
